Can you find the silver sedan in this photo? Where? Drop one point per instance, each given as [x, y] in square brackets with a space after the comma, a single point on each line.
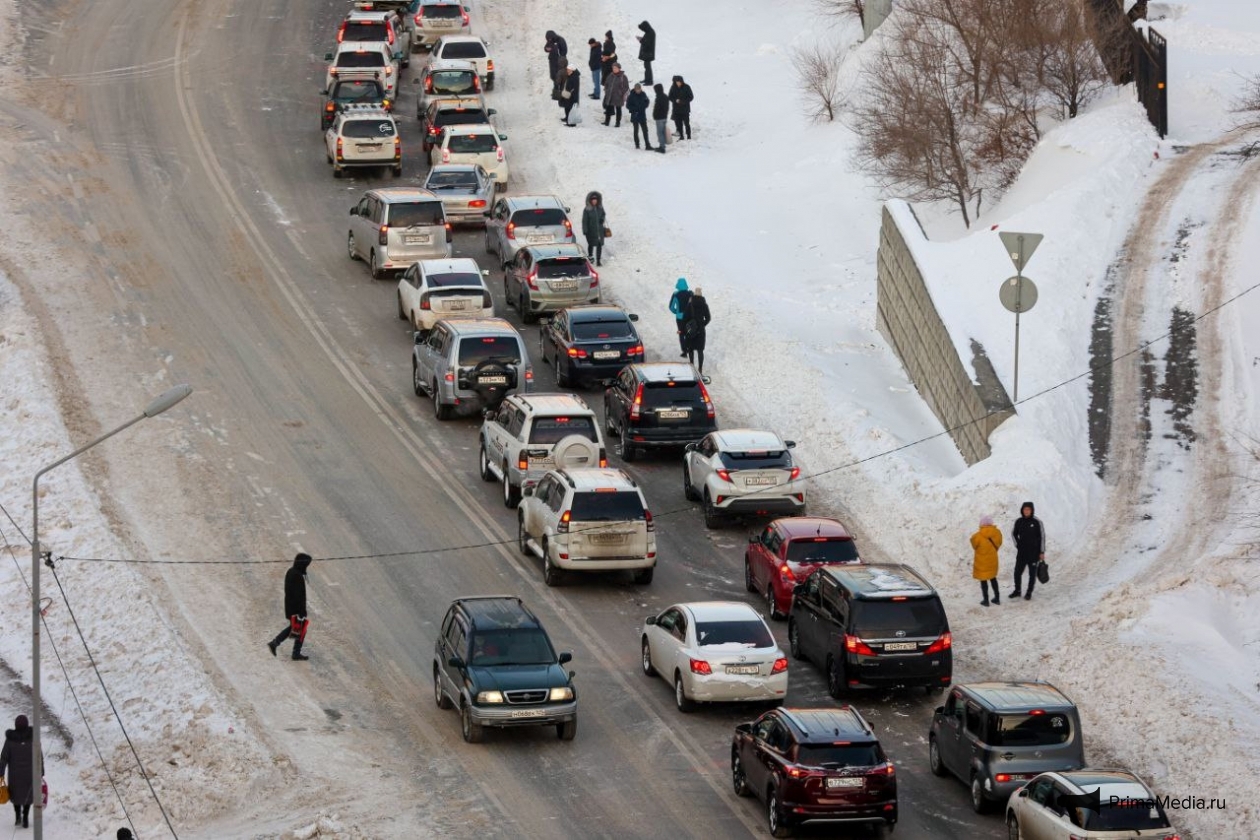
[466, 190]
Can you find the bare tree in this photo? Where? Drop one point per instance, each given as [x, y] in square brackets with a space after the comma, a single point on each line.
[1072, 71]
[971, 30]
[840, 9]
[1248, 105]
[818, 71]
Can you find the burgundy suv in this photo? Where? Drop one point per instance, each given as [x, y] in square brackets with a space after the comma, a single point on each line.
[787, 550]
[815, 764]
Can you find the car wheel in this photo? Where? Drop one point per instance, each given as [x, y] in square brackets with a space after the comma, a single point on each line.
[511, 493]
[440, 411]
[338, 173]
[835, 678]
[567, 731]
[739, 779]
[350, 249]
[483, 464]
[627, 449]
[522, 536]
[772, 608]
[644, 576]
[1012, 828]
[402, 313]
[978, 803]
[397, 171]
[712, 519]
[416, 384]
[551, 573]
[648, 670]
[794, 640]
[471, 730]
[562, 381]
[522, 306]
[377, 271]
[749, 583]
[439, 696]
[685, 704]
[609, 426]
[934, 758]
[489, 242]
[507, 295]
[775, 820]
[689, 492]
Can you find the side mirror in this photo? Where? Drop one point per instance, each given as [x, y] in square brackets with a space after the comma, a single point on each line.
[1023, 792]
[706, 380]
[790, 444]
[397, 56]
[634, 317]
[651, 619]
[502, 136]
[327, 56]
[323, 91]
[527, 491]
[490, 112]
[940, 710]
[544, 322]
[486, 213]
[752, 538]
[354, 211]
[566, 656]
[418, 338]
[485, 272]
[799, 589]
[567, 209]
[691, 447]
[488, 414]
[468, 8]
[456, 662]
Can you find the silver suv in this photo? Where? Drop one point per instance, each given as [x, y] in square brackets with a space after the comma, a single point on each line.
[743, 471]
[531, 434]
[521, 220]
[393, 227]
[589, 520]
[469, 364]
[542, 279]
[435, 18]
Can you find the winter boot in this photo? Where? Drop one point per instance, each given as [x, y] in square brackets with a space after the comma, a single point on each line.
[273, 647]
[1015, 594]
[297, 652]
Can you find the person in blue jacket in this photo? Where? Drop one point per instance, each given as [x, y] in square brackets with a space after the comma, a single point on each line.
[680, 305]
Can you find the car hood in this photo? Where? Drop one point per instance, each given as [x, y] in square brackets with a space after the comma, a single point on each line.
[513, 677]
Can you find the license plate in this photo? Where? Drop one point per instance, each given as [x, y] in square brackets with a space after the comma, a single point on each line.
[528, 713]
[607, 539]
[564, 285]
[492, 380]
[901, 646]
[760, 480]
[457, 304]
[845, 782]
[742, 669]
[540, 459]
[672, 414]
[416, 239]
[539, 240]
[606, 354]
[368, 147]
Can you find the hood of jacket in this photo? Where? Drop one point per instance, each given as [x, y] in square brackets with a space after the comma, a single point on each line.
[302, 562]
[681, 285]
[659, 88]
[679, 79]
[21, 736]
[1032, 509]
[645, 26]
[551, 35]
[594, 194]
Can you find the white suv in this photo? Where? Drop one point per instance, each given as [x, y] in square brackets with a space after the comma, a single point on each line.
[590, 520]
[433, 289]
[364, 60]
[363, 136]
[476, 145]
[531, 434]
[743, 471]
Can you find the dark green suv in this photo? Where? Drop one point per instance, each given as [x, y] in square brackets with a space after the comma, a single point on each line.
[494, 660]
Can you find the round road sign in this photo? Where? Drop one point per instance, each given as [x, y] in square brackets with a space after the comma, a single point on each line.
[1018, 294]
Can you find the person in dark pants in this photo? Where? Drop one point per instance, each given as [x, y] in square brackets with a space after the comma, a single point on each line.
[17, 760]
[647, 50]
[1030, 548]
[570, 91]
[295, 607]
[593, 225]
[637, 104]
[680, 95]
[557, 50]
[615, 93]
[608, 55]
[660, 115]
[697, 323]
[679, 304]
[595, 63]
[984, 565]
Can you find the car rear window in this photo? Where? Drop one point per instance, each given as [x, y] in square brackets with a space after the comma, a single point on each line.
[416, 213]
[601, 330]
[500, 348]
[358, 91]
[446, 10]
[539, 217]
[472, 143]
[917, 617]
[747, 632]
[1020, 730]
[523, 646]
[361, 59]
[661, 394]
[549, 430]
[822, 550]
[453, 278]
[1141, 816]
[365, 30]
[367, 128]
[562, 267]
[466, 49]
[462, 116]
[838, 756]
[460, 180]
[453, 81]
[607, 506]
[761, 460]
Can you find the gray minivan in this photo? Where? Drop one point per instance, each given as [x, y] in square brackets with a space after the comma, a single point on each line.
[470, 364]
[393, 227]
[996, 736]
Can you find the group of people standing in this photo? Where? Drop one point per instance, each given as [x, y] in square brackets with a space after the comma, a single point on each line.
[1030, 553]
[612, 85]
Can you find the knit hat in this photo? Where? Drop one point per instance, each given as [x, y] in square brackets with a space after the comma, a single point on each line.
[21, 722]
[608, 34]
[986, 520]
[592, 41]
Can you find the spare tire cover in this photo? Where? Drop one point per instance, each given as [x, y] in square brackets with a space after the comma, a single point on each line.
[575, 451]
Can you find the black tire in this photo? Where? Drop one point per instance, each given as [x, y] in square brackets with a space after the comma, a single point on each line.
[689, 492]
[979, 803]
[646, 659]
[794, 640]
[439, 696]
[337, 173]
[522, 537]
[772, 611]
[416, 384]
[643, 577]
[684, 703]
[739, 779]
[511, 493]
[749, 583]
[522, 306]
[836, 686]
[350, 249]
[627, 448]
[402, 313]
[489, 246]
[567, 731]
[483, 464]
[934, 758]
[552, 574]
[397, 170]
[776, 822]
[440, 411]
[562, 379]
[377, 273]
[1012, 828]
[473, 732]
[609, 426]
[712, 519]
[507, 296]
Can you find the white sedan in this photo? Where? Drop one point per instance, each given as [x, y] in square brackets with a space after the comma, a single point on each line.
[714, 651]
[743, 471]
[475, 145]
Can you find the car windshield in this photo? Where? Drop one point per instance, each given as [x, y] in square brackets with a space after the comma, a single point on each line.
[473, 144]
[453, 81]
[562, 267]
[453, 278]
[747, 632]
[445, 10]
[463, 116]
[464, 49]
[761, 460]
[822, 550]
[464, 179]
[505, 349]
[519, 646]
[838, 756]
[609, 506]
[367, 128]
[602, 330]
[363, 90]
[539, 217]
[416, 214]
[549, 430]
[361, 59]
[662, 394]
[1030, 730]
[1136, 815]
[913, 617]
[365, 30]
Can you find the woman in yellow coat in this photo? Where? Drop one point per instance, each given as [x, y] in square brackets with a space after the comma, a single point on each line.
[984, 568]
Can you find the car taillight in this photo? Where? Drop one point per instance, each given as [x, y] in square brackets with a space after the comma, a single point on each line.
[332, 71]
[498, 153]
[708, 403]
[424, 304]
[785, 572]
[390, 31]
[330, 107]
[450, 234]
[1002, 777]
[576, 353]
[636, 409]
[339, 148]
[522, 463]
[417, 18]
[397, 148]
[563, 525]
[568, 229]
[530, 278]
[477, 83]
[489, 65]
[594, 275]
[801, 772]
[855, 645]
[464, 15]
[796, 473]
[384, 238]
[529, 374]
[944, 642]
[725, 475]
[450, 376]
[780, 665]
[341, 32]
[486, 303]
[387, 105]
[699, 666]
[603, 464]
[446, 156]
[647, 514]
[890, 770]
[433, 129]
[389, 70]
[511, 230]
[428, 85]
[477, 202]
[636, 350]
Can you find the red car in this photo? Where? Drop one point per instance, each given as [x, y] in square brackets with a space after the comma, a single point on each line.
[787, 550]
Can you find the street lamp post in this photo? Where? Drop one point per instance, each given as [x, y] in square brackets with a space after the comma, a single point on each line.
[163, 402]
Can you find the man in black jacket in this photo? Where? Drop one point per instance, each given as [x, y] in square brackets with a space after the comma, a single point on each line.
[660, 114]
[637, 104]
[608, 56]
[557, 50]
[647, 50]
[595, 62]
[294, 607]
[680, 94]
[1030, 547]
[696, 324]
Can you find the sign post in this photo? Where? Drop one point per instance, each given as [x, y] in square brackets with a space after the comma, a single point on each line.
[1019, 293]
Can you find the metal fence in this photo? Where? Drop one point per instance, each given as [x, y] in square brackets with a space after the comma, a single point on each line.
[1133, 55]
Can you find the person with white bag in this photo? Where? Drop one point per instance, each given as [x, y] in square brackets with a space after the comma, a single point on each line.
[570, 90]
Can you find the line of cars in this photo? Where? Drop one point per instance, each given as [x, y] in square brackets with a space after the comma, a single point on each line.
[864, 625]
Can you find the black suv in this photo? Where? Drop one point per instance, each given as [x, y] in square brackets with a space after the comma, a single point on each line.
[590, 343]
[351, 92]
[877, 625]
[493, 658]
[658, 404]
[815, 764]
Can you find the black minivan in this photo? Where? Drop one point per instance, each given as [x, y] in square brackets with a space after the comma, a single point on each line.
[872, 626]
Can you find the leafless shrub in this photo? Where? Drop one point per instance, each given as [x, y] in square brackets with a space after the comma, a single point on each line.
[1248, 105]
[841, 9]
[818, 71]
[1072, 71]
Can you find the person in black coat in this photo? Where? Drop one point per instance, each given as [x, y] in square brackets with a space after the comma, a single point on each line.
[1030, 547]
[695, 325]
[294, 607]
[680, 95]
[637, 104]
[557, 50]
[571, 84]
[608, 55]
[17, 759]
[647, 50]
[595, 63]
[660, 114]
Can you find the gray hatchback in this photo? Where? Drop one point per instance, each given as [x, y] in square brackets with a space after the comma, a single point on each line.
[547, 278]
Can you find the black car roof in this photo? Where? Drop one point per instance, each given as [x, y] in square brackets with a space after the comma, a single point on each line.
[1017, 696]
[665, 372]
[587, 314]
[497, 611]
[815, 725]
[880, 581]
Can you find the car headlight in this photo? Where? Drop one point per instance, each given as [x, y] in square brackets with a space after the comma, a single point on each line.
[563, 693]
[490, 697]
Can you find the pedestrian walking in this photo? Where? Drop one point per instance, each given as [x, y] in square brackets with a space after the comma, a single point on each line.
[17, 765]
[680, 95]
[295, 607]
[679, 304]
[647, 50]
[557, 50]
[1030, 548]
[124, 834]
[615, 93]
[593, 225]
[660, 115]
[595, 63]
[697, 323]
[570, 90]
[984, 565]
[608, 55]
[637, 104]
